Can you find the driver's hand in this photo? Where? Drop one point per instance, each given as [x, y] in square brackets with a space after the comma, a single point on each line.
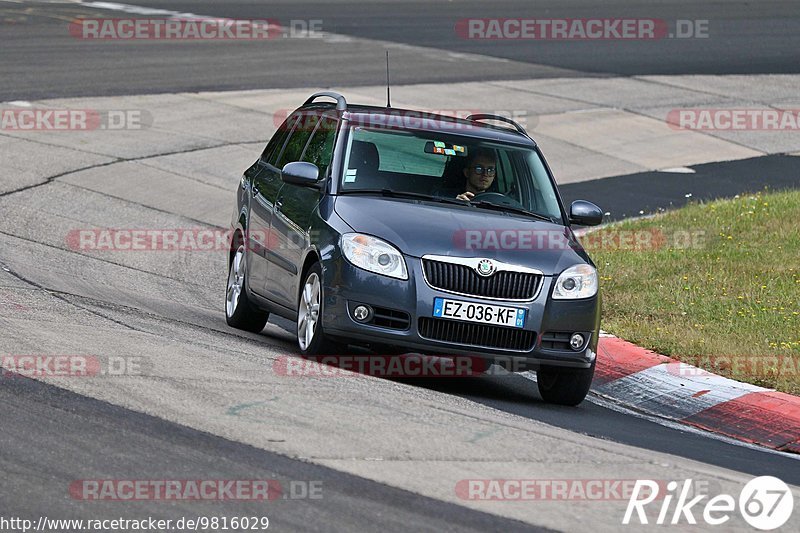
[466, 196]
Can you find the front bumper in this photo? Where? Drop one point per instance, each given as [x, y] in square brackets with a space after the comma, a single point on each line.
[346, 285]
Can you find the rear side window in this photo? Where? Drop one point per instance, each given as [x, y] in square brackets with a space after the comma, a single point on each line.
[320, 148]
[273, 149]
[297, 140]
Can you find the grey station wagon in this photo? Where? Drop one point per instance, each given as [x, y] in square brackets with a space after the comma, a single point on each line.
[420, 233]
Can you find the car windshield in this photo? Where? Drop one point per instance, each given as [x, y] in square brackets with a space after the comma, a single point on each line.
[497, 176]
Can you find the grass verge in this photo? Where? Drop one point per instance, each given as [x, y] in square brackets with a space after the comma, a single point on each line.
[716, 285]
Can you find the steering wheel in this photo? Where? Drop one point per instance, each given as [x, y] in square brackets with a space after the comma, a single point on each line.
[496, 198]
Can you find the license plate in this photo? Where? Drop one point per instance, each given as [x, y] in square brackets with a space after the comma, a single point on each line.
[486, 314]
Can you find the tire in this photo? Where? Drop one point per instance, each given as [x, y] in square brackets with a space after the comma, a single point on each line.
[239, 312]
[564, 386]
[311, 338]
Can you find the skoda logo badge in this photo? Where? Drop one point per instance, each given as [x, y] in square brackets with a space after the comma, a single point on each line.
[485, 268]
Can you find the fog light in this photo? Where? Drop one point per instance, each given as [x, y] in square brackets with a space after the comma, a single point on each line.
[361, 313]
[576, 341]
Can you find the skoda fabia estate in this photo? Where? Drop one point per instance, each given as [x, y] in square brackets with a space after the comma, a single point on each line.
[419, 233]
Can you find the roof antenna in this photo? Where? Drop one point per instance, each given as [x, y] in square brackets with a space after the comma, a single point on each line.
[388, 96]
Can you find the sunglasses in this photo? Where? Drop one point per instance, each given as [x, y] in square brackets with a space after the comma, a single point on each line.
[480, 170]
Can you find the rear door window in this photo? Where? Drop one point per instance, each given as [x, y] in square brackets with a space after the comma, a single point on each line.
[275, 145]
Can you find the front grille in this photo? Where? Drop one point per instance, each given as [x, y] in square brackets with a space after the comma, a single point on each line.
[504, 285]
[477, 334]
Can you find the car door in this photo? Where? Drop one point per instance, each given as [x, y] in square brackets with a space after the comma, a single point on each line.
[294, 209]
[265, 181]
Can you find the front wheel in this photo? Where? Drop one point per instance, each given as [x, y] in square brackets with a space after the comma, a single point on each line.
[564, 386]
[310, 335]
[239, 312]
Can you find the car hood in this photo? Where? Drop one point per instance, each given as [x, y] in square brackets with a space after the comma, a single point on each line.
[419, 228]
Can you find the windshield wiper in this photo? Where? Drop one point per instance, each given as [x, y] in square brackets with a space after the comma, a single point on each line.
[520, 210]
[404, 194]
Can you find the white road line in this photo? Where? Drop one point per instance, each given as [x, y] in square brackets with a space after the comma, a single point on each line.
[678, 170]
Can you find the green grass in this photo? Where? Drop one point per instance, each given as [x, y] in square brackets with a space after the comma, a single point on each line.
[727, 300]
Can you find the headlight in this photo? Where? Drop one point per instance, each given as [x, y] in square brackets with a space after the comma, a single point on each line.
[579, 281]
[373, 254]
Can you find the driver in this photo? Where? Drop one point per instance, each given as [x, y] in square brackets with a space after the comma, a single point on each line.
[479, 172]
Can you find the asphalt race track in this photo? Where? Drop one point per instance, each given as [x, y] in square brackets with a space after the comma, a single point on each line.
[205, 402]
[85, 430]
[744, 38]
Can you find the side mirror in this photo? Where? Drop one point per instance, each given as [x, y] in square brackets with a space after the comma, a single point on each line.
[301, 173]
[585, 213]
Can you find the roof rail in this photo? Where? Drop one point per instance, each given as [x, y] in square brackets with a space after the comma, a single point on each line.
[341, 103]
[485, 116]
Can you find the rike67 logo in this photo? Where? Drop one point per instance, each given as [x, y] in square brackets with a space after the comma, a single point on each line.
[765, 503]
